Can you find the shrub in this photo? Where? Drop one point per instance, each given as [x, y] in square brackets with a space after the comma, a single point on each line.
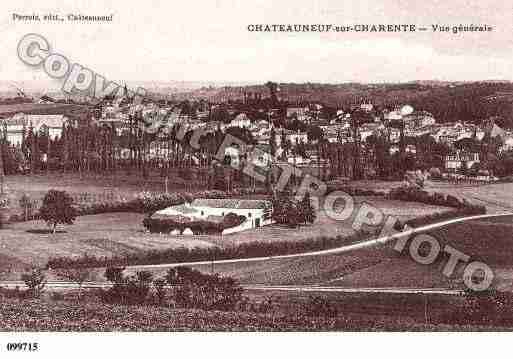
[27, 205]
[35, 280]
[127, 290]
[435, 173]
[57, 208]
[56, 296]
[167, 225]
[405, 193]
[488, 307]
[4, 204]
[467, 210]
[194, 289]
[232, 220]
[199, 226]
[160, 290]
[320, 306]
[77, 276]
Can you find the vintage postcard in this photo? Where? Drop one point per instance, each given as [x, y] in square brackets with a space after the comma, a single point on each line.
[254, 166]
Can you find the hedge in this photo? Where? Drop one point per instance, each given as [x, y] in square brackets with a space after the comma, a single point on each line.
[167, 225]
[460, 207]
[412, 194]
[184, 254]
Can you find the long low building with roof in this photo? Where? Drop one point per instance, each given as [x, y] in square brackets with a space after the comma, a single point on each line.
[255, 211]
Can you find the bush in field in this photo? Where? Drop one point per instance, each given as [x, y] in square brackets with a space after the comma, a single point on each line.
[160, 290]
[232, 220]
[435, 173]
[194, 289]
[286, 210]
[127, 290]
[27, 206]
[320, 306]
[183, 286]
[405, 193]
[4, 204]
[167, 225]
[76, 275]
[307, 211]
[57, 209]
[488, 307]
[35, 280]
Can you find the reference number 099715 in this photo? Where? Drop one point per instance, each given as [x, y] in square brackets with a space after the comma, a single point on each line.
[22, 347]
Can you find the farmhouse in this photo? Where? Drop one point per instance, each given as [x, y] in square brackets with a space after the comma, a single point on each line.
[209, 209]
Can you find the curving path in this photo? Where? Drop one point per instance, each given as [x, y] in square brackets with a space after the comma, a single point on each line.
[342, 249]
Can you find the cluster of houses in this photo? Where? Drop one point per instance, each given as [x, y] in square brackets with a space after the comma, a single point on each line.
[17, 126]
[335, 129]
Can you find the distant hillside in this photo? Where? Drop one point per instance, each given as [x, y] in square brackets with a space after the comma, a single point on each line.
[70, 110]
[461, 101]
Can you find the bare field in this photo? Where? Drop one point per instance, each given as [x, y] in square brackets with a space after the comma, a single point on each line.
[28, 243]
[496, 197]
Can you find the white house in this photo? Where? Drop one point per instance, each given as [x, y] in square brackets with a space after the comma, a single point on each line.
[253, 210]
[301, 113]
[459, 159]
[241, 120]
[16, 125]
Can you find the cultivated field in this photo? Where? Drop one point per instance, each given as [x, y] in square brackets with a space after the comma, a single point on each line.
[51, 315]
[487, 240]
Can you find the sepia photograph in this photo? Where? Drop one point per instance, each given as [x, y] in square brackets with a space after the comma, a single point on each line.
[254, 166]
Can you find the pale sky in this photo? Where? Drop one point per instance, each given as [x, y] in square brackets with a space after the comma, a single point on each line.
[208, 40]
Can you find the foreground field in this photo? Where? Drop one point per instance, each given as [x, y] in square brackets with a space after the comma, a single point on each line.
[41, 315]
[488, 240]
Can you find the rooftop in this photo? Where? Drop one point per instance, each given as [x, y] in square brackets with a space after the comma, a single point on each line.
[233, 203]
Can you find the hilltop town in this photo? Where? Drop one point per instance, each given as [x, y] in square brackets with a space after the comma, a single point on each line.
[356, 139]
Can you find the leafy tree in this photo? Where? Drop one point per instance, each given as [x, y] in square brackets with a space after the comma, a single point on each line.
[35, 280]
[306, 209]
[57, 209]
[26, 205]
[77, 275]
[315, 133]
[287, 211]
